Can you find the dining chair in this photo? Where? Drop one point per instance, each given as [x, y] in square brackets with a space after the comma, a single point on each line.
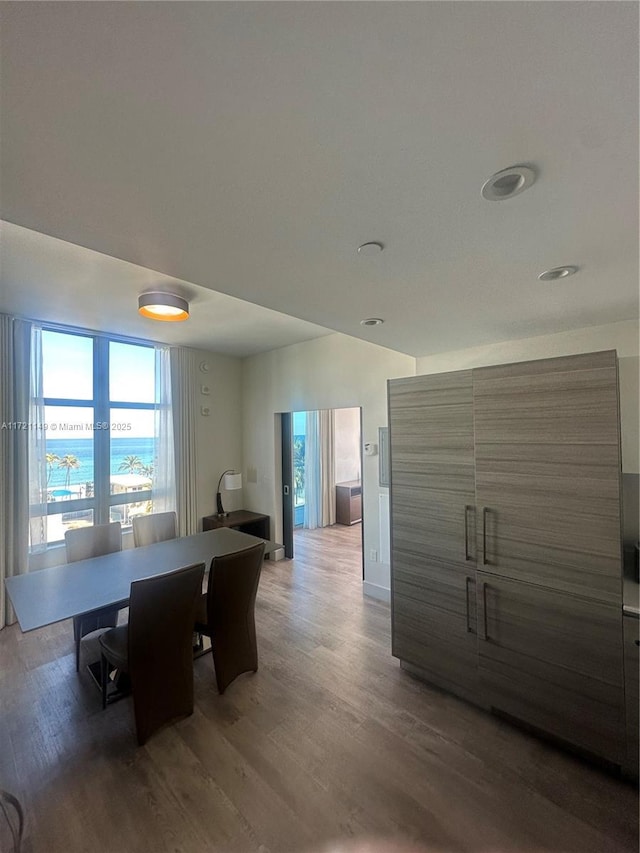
[155, 527]
[155, 648]
[82, 544]
[226, 613]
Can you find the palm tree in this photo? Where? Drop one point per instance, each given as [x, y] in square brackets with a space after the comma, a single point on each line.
[147, 470]
[52, 458]
[69, 462]
[130, 464]
[298, 467]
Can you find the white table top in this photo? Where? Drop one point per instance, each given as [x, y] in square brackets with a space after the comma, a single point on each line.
[51, 595]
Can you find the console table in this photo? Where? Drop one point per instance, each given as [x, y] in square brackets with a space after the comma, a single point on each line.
[253, 523]
[349, 502]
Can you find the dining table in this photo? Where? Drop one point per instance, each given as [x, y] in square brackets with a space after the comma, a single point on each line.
[53, 594]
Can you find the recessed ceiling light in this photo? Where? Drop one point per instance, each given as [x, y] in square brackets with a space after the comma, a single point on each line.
[508, 182]
[371, 248]
[557, 272]
[372, 321]
[157, 305]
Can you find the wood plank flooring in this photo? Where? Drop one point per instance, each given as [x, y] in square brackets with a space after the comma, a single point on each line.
[329, 741]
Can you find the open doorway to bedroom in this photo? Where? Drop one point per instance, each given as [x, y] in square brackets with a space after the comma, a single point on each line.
[321, 473]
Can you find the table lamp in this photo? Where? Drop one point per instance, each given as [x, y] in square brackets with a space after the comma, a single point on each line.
[232, 480]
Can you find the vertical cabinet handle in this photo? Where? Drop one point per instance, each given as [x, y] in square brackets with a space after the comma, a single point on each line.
[483, 622]
[468, 580]
[467, 555]
[485, 512]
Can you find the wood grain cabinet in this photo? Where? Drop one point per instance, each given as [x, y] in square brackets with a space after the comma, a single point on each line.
[433, 528]
[632, 691]
[553, 660]
[547, 471]
[505, 497]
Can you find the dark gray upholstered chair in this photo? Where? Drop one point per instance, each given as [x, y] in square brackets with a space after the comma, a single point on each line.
[156, 527]
[82, 544]
[155, 648]
[226, 613]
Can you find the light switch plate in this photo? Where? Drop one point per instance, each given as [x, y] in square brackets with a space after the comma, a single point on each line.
[205, 389]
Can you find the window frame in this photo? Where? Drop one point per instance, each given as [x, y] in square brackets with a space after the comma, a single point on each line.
[102, 500]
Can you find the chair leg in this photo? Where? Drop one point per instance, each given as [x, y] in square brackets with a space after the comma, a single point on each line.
[77, 636]
[104, 679]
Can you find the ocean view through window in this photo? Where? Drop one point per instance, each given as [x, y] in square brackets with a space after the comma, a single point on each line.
[99, 432]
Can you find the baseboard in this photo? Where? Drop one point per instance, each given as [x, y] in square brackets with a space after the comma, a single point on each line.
[375, 591]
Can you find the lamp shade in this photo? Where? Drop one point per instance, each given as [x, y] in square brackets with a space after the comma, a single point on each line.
[232, 481]
[163, 306]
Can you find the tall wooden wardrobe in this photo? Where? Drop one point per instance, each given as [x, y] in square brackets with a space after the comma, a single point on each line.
[506, 541]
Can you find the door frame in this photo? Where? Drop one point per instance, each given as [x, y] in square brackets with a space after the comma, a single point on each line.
[286, 494]
[286, 468]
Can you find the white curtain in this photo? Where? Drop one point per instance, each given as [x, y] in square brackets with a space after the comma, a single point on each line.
[184, 379]
[319, 467]
[38, 468]
[312, 472]
[327, 467]
[164, 474]
[15, 342]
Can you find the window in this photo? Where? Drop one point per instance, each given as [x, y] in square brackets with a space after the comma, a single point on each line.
[99, 414]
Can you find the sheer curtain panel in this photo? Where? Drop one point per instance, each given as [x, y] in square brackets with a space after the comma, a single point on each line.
[184, 380]
[15, 344]
[327, 467]
[164, 476]
[312, 504]
[38, 469]
[319, 470]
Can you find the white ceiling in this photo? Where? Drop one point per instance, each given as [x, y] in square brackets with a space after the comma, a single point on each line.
[250, 148]
[48, 279]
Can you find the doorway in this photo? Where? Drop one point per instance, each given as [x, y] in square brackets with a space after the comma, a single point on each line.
[321, 472]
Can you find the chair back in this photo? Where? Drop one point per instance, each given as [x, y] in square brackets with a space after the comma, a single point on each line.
[161, 615]
[156, 527]
[233, 585]
[86, 542]
[231, 598]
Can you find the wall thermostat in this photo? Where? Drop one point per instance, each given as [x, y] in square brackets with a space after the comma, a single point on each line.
[370, 449]
[204, 367]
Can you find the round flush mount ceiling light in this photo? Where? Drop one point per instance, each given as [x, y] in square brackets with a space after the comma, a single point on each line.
[157, 305]
[372, 321]
[507, 183]
[556, 273]
[372, 248]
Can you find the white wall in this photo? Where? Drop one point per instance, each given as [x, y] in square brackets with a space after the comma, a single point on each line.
[333, 372]
[347, 445]
[622, 337]
[219, 435]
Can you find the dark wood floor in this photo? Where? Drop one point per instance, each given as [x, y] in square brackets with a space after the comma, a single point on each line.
[329, 740]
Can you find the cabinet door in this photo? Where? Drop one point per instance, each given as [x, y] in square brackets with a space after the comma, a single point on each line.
[433, 527]
[632, 691]
[434, 621]
[432, 471]
[554, 661]
[547, 458]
